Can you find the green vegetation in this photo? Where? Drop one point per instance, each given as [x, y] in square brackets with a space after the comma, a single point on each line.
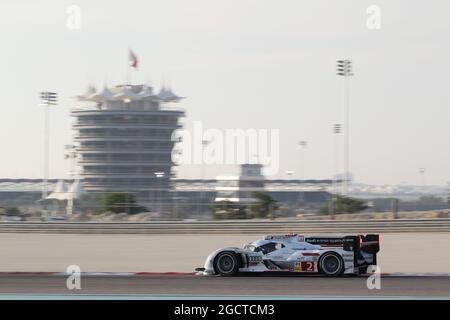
[13, 211]
[344, 204]
[264, 206]
[430, 200]
[176, 213]
[118, 203]
[228, 210]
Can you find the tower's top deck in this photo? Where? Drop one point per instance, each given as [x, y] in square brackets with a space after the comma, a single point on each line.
[126, 97]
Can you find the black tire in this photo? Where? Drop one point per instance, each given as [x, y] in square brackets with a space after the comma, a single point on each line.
[331, 264]
[362, 270]
[226, 264]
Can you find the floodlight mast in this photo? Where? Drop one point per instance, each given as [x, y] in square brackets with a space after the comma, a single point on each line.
[344, 69]
[47, 99]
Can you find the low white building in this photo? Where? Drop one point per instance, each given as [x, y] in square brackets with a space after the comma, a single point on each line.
[239, 189]
[62, 192]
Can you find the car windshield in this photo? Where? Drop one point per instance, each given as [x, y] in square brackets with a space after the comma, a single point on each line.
[269, 247]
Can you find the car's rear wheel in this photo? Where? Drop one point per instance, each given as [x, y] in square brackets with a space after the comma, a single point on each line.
[226, 264]
[362, 270]
[331, 264]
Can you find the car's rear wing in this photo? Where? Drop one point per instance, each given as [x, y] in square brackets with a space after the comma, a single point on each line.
[369, 243]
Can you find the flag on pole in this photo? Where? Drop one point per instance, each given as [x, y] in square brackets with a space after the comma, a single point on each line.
[133, 60]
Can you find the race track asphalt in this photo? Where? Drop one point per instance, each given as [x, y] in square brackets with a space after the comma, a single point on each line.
[191, 285]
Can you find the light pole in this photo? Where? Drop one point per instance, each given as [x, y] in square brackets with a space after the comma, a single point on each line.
[337, 129]
[159, 175]
[202, 187]
[47, 99]
[336, 132]
[422, 172]
[344, 69]
[289, 173]
[302, 146]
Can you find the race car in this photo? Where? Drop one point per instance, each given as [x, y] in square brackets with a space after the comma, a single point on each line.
[327, 255]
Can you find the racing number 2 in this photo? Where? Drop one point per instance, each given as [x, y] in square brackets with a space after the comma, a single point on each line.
[308, 266]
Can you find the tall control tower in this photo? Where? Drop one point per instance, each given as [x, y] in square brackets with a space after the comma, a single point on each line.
[124, 140]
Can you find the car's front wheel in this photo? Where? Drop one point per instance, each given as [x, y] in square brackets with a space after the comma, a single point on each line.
[226, 264]
[331, 264]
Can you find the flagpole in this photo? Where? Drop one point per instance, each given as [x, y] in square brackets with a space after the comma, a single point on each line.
[127, 70]
[130, 74]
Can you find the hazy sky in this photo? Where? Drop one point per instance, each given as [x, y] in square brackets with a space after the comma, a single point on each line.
[242, 64]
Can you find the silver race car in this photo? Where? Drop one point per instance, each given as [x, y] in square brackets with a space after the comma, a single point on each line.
[329, 255]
